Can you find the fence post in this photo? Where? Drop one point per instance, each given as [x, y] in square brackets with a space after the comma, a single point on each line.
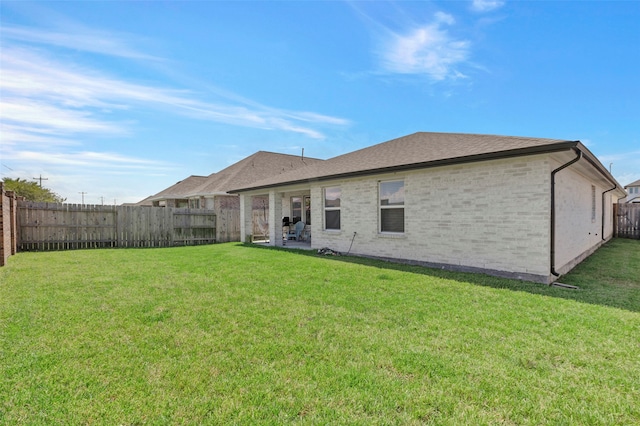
[8, 224]
[4, 224]
[13, 213]
[170, 226]
[120, 218]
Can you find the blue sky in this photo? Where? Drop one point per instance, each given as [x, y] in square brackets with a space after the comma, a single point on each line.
[123, 99]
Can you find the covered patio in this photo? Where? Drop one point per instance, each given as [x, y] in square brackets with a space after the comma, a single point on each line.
[281, 218]
[302, 245]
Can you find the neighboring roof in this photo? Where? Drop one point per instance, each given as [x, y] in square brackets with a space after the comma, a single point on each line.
[418, 150]
[146, 202]
[179, 189]
[636, 183]
[256, 167]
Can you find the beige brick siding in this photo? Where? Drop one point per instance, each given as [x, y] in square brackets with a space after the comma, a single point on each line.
[492, 215]
[577, 232]
[489, 215]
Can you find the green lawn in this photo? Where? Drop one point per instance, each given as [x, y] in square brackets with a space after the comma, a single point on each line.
[234, 334]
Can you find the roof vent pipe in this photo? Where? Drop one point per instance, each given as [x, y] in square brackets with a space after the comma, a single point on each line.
[553, 210]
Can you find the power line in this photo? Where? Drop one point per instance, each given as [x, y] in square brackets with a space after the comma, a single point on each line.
[40, 179]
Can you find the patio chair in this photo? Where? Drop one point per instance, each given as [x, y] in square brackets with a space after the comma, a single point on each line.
[299, 230]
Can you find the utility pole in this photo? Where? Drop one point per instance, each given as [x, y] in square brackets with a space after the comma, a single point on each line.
[82, 192]
[102, 200]
[41, 179]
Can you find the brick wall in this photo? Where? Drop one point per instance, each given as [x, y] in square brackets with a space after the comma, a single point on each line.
[579, 217]
[492, 215]
[8, 224]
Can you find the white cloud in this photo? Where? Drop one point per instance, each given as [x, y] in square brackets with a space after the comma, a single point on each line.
[52, 106]
[85, 159]
[444, 18]
[627, 178]
[40, 117]
[428, 49]
[81, 38]
[622, 161]
[17, 135]
[486, 5]
[62, 96]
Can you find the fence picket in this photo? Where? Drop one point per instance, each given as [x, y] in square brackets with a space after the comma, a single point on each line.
[46, 226]
[627, 220]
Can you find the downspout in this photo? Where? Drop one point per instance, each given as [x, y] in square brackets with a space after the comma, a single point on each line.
[553, 210]
[615, 186]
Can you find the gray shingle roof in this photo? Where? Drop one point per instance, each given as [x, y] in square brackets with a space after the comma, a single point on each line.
[636, 183]
[254, 168]
[146, 202]
[180, 189]
[413, 151]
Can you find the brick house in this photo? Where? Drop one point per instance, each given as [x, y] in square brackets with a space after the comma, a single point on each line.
[210, 192]
[634, 192]
[526, 208]
[176, 195]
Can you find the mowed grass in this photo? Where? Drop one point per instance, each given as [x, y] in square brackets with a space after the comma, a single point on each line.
[233, 334]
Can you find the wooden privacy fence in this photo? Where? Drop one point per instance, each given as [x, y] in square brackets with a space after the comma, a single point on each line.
[49, 226]
[260, 220]
[627, 220]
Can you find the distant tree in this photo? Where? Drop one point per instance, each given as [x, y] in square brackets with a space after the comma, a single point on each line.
[31, 191]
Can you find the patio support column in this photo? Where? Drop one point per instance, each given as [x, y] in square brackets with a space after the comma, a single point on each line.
[275, 218]
[246, 218]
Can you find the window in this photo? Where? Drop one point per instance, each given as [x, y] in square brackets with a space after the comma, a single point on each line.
[301, 209]
[593, 203]
[307, 210]
[391, 206]
[296, 209]
[332, 208]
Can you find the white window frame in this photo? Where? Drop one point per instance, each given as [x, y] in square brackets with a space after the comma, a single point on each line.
[301, 198]
[326, 209]
[306, 214]
[382, 207]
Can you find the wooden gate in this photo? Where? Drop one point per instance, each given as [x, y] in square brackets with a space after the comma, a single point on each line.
[627, 220]
[51, 226]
